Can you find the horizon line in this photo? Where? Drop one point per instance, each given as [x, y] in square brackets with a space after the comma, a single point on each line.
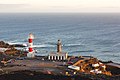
[61, 12]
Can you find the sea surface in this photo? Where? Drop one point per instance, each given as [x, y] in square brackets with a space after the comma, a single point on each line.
[82, 34]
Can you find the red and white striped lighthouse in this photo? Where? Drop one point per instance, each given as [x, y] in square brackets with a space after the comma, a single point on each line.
[30, 45]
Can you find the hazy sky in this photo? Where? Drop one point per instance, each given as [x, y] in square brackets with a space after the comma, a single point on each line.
[59, 5]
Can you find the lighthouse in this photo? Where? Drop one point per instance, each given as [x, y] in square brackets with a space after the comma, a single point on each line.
[31, 53]
[59, 46]
[59, 55]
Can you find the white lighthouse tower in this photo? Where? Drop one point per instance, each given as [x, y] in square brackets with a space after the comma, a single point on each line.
[31, 53]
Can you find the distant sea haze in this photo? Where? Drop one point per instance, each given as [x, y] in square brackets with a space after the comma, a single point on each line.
[81, 34]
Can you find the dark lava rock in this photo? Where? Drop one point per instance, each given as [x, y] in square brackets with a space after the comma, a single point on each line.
[33, 75]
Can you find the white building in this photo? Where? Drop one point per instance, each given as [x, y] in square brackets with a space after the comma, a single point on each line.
[74, 67]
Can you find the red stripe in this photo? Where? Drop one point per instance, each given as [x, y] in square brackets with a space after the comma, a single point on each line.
[30, 49]
[30, 40]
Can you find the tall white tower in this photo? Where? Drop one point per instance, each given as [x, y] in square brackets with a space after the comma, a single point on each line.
[31, 53]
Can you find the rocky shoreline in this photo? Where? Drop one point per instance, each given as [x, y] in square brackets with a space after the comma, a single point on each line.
[22, 69]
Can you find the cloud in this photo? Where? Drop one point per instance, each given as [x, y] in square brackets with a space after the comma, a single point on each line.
[112, 7]
[12, 5]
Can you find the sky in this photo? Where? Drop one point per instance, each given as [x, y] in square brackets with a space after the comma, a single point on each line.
[74, 6]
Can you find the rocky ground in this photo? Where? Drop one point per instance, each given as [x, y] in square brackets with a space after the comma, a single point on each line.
[33, 75]
[38, 69]
[45, 70]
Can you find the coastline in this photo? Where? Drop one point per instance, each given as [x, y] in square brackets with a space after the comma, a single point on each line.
[41, 68]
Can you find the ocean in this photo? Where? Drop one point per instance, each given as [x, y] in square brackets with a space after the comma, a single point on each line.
[82, 34]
